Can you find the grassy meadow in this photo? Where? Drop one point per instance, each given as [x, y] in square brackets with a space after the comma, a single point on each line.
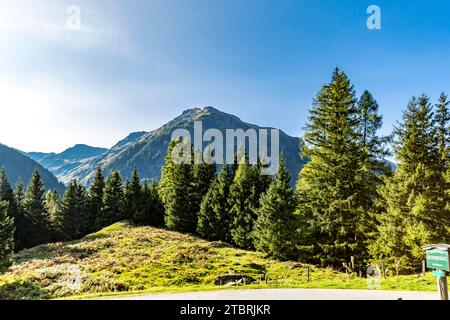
[124, 259]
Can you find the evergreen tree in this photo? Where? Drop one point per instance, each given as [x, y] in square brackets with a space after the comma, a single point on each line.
[51, 203]
[204, 175]
[372, 168]
[37, 230]
[214, 217]
[416, 203]
[7, 194]
[153, 208]
[21, 222]
[177, 188]
[262, 181]
[6, 237]
[181, 210]
[443, 131]
[95, 202]
[275, 227]
[166, 181]
[245, 193]
[113, 201]
[127, 210]
[328, 193]
[70, 218]
[133, 195]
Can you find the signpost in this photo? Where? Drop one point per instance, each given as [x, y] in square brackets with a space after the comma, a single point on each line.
[438, 258]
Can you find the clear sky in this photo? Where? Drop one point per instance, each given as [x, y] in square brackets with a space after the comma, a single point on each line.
[134, 65]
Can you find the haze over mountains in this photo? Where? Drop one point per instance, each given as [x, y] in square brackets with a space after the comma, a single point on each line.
[61, 163]
[146, 150]
[19, 166]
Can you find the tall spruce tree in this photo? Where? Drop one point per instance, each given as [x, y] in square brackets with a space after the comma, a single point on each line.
[95, 202]
[204, 175]
[214, 216]
[70, 217]
[442, 120]
[153, 208]
[113, 201]
[416, 201]
[177, 188]
[6, 236]
[37, 230]
[52, 205]
[275, 228]
[133, 197]
[245, 193]
[7, 194]
[21, 222]
[372, 167]
[166, 181]
[181, 210]
[328, 205]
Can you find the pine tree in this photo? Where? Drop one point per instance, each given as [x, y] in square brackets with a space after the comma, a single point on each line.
[7, 194]
[372, 167]
[6, 237]
[417, 211]
[442, 120]
[327, 190]
[177, 189]
[38, 229]
[70, 217]
[214, 216]
[133, 195]
[262, 181]
[51, 203]
[204, 175]
[153, 208]
[113, 201]
[275, 227]
[245, 193]
[166, 181]
[95, 202]
[127, 210]
[181, 210]
[21, 221]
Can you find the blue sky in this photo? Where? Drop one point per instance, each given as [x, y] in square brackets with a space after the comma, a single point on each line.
[134, 65]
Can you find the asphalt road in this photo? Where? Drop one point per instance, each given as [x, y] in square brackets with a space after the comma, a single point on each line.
[289, 294]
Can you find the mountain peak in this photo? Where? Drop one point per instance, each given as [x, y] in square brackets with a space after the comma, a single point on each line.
[130, 138]
[210, 109]
[80, 151]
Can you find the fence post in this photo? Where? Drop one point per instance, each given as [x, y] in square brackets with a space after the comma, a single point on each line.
[307, 274]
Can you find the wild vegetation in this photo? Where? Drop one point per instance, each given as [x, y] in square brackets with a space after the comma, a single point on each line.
[128, 259]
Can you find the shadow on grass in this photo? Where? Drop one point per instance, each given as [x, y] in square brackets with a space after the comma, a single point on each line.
[60, 249]
[22, 291]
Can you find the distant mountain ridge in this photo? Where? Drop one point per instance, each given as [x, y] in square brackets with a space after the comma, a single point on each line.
[146, 150]
[61, 163]
[19, 166]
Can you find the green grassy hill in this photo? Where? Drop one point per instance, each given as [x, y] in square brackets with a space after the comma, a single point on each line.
[123, 259]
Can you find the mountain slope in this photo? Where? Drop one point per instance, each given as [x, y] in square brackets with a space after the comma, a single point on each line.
[148, 150]
[61, 163]
[18, 165]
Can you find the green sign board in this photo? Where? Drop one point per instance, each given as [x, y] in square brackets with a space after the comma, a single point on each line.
[438, 259]
[439, 273]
